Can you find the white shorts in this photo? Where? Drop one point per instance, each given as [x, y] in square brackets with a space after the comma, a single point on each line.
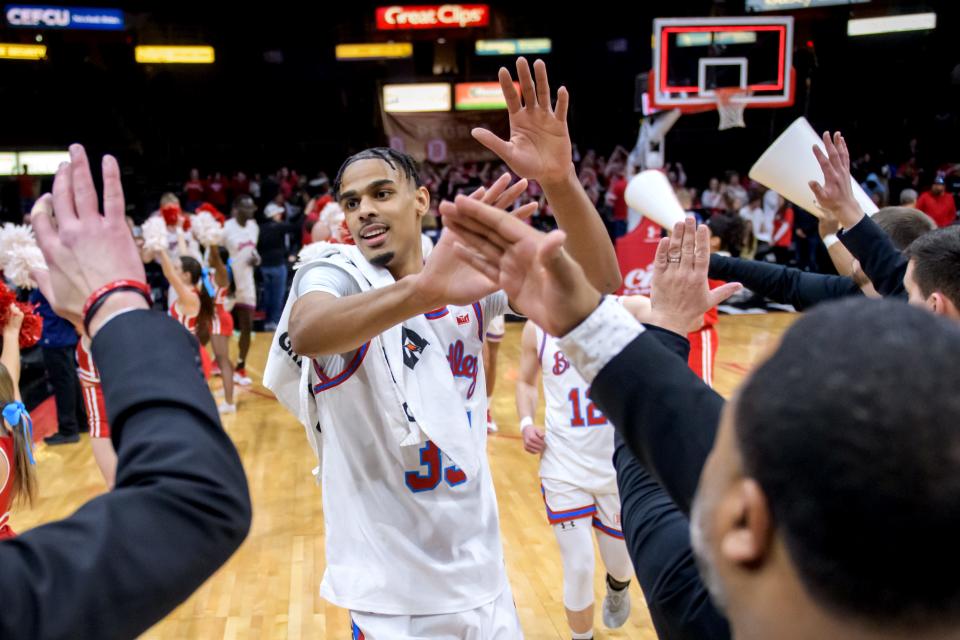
[566, 502]
[246, 294]
[495, 621]
[496, 329]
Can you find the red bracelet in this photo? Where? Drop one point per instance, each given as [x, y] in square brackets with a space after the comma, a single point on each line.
[96, 299]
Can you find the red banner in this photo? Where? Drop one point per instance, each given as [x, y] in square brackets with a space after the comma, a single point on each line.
[445, 16]
[635, 253]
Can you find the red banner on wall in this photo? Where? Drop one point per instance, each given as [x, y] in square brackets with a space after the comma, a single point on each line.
[635, 253]
[445, 16]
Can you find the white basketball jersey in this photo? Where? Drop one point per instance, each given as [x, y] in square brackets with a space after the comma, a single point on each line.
[406, 532]
[579, 439]
[240, 241]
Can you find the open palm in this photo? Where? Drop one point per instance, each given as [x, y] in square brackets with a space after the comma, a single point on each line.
[539, 146]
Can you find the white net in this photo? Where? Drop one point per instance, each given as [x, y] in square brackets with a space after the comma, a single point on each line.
[731, 104]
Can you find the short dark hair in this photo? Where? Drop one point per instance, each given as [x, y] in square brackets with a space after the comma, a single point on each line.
[903, 224]
[729, 229]
[936, 262]
[852, 429]
[396, 159]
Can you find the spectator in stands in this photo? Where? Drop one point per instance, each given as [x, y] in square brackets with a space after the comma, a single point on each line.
[712, 197]
[938, 204]
[908, 198]
[193, 190]
[215, 191]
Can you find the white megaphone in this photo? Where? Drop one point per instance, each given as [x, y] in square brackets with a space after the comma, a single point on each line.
[650, 193]
[788, 166]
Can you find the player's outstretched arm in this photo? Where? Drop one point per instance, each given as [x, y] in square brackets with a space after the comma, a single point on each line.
[539, 149]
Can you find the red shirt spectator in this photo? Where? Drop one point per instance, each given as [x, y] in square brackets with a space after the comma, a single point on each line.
[240, 185]
[193, 188]
[938, 204]
[783, 227]
[216, 191]
[618, 190]
[28, 185]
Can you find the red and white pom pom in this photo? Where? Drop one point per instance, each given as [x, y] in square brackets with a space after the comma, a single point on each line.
[332, 215]
[206, 229]
[154, 234]
[19, 254]
[32, 325]
[212, 210]
[312, 252]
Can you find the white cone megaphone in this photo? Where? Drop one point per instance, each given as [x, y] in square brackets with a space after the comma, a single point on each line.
[788, 166]
[650, 193]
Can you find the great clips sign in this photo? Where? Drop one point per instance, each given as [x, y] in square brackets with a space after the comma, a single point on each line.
[44, 17]
[444, 16]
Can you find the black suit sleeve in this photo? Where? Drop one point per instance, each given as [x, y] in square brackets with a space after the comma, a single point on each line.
[663, 411]
[658, 540]
[782, 284]
[879, 259]
[179, 510]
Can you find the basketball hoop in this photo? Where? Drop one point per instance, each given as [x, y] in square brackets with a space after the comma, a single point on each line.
[731, 102]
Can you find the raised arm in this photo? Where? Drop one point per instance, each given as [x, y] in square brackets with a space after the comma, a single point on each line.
[187, 298]
[11, 347]
[539, 149]
[221, 274]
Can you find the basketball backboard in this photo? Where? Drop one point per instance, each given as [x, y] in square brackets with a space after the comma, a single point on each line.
[694, 57]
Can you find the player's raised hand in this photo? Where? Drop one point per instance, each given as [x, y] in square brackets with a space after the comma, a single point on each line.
[539, 147]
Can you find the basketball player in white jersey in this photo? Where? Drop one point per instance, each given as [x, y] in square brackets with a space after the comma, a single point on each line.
[240, 237]
[577, 476]
[413, 542]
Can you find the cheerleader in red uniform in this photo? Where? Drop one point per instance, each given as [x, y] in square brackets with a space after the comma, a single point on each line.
[193, 307]
[726, 237]
[103, 451]
[221, 328]
[16, 434]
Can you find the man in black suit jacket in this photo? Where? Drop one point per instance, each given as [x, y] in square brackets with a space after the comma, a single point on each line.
[181, 506]
[835, 518]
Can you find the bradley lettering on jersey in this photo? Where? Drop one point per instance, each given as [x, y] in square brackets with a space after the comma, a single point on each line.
[463, 366]
[560, 363]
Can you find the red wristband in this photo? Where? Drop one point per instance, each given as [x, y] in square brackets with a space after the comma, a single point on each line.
[95, 301]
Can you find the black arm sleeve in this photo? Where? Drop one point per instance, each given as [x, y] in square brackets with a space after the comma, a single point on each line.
[658, 540]
[879, 259]
[663, 411]
[179, 510]
[782, 284]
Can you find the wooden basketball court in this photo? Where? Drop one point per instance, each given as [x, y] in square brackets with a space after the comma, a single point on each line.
[270, 588]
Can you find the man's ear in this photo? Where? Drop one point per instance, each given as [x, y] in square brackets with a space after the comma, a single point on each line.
[423, 201]
[747, 524]
[942, 306]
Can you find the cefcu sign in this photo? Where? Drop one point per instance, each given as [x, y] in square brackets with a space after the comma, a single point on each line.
[40, 17]
[445, 16]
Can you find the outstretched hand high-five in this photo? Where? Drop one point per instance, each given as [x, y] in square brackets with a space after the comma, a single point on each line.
[836, 193]
[448, 279]
[552, 289]
[85, 250]
[539, 147]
